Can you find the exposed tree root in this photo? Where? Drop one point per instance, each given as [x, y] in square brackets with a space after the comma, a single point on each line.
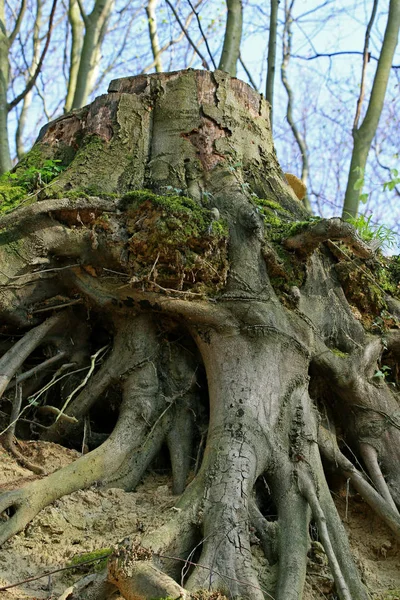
[25, 214]
[267, 531]
[293, 539]
[11, 361]
[135, 576]
[91, 587]
[139, 391]
[307, 489]
[328, 229]
[329, 448]
[370, 456]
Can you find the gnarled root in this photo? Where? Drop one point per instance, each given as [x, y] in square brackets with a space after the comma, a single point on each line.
[329, 448]
[11, 361]
[138, 408]
[132, 571]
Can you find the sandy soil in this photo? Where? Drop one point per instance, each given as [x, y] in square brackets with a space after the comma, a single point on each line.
[93, 519]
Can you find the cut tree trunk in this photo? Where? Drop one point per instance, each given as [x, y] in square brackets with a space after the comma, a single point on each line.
[239, 332]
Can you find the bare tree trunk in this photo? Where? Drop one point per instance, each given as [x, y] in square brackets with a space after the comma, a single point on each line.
[152, 24]
[300, 141]
[95, 28]
[77, 27]
[363, 135]
[19, 141]
[273, 27]
[5, 158]
[233, 35]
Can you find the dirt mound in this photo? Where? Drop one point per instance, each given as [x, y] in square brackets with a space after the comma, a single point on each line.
[96, 518]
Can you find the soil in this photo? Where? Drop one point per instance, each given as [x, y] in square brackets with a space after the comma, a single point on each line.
[96, 518]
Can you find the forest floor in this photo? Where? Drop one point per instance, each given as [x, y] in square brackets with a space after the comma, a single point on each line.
[93, 519]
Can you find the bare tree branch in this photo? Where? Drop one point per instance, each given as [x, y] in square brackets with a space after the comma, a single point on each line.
[18, 23]
[189, 39]
[82, 11]
[32, 81]
[250, 78]
[202, 33]
[287, 49]
[341, 53]
[365, 63]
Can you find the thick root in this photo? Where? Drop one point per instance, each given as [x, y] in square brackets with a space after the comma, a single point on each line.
[330, 449]
[11, 361]
[137, 578]
[138, 407]
[91, 587]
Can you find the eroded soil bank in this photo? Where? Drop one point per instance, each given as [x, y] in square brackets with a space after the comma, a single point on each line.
[92, 519]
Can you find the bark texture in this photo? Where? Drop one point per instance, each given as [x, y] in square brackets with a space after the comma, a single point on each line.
[226, 325]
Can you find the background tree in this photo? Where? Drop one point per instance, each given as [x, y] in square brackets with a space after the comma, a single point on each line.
[364, 134]
[6, 40]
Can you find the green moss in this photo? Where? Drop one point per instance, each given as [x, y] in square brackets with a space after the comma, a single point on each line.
[97, 565]
[10, 194]
[219, 228]
[174, 241]
[271, 204]
[271, 211]
[76, 194]
[339, 353]
[32, 159]
[389, 275]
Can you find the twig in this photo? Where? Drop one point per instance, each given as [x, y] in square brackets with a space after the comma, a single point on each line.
[33, 399]
[189, 39]
[250, 78]
[42, 271]
[32, 81]
[153, 267]
[46, 363]
[83, 382]
[36, 577]
[342, 53]
[366, 59]
[202, 33]
[57, 306]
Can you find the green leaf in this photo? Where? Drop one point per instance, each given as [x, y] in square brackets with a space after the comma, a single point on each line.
[359, 184]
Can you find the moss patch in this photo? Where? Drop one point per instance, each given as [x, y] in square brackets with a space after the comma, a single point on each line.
[366, 285]
[339, 353]
[174, 242]
[99, 560]
[10, 195]
[32, 174]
